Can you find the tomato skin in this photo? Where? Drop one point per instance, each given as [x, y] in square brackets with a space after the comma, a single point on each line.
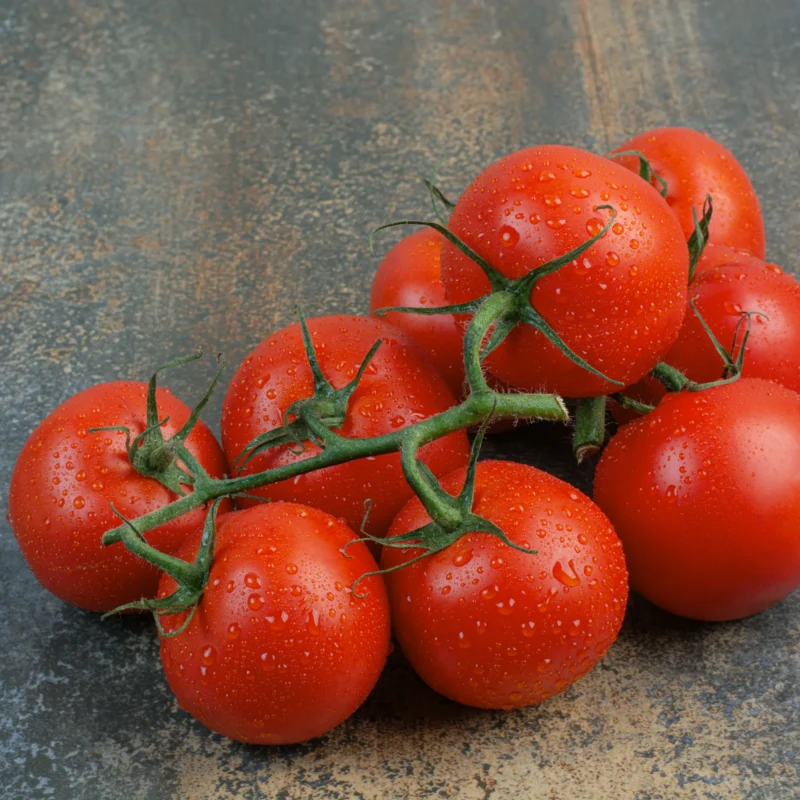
[694, 166]
[705, 494]
[492, 627]
[398, 387]
[726, 282]
[66, 479]
[619, 306]
[410, 275]
[279, 650]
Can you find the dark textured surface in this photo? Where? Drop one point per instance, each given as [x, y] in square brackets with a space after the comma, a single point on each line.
[175, 174]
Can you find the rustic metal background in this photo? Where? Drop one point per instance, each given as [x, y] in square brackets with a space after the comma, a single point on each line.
[175, 174]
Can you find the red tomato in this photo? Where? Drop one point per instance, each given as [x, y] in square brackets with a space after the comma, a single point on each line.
[279, 650]
[410, 275]
[726, 283]
[694, 166]
[705, 495]
[398, 388]
[619, 306]
[66, 479]
[489, 626]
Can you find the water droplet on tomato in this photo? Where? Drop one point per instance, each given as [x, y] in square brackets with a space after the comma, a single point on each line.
[313, 622]
[267, 662]
[291, 569]
[255, 601]
[528, 629]
[612, 259]
[79, 502]
[252, 581]
[208, 655]
[732, 308]
[594, 226]
[508, 236]
[234, 631]
[462, 558]
[562, 575]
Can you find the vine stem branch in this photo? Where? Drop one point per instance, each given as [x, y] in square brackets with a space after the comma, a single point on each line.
[482, 403]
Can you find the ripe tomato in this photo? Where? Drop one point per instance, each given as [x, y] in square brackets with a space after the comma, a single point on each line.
[279, 650]
[705, 495]
[397, 389]
[489, 626]
[410, 275]
[66, 479]
[694, 166]
[619, 305]
[726, 283]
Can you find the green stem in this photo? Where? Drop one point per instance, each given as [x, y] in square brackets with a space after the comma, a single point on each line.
[469, 413]
[491, 312]
[590, 427]
[672, 379]
[184, 574]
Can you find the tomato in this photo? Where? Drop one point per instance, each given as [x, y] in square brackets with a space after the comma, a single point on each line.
[705, 495]
[726, 283]
[279, 650]
[694, 166]
[619, 305]
[66, 479]
[410, 275]
[489, 626]
[398, 388]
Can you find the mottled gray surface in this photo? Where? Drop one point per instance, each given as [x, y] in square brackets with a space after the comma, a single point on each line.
[175, 174]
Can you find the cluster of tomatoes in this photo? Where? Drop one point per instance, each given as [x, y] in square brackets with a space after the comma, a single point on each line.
[697, 499]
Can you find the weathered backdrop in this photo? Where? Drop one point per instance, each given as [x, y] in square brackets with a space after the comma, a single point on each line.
[177, 174]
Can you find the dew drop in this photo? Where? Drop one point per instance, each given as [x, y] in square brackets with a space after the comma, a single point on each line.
[255, 601]
[508, 236]
[252, 581]
[568, 578]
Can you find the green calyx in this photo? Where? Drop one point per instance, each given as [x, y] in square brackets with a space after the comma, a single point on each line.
[452, 516]
[167, 461]
[646, 171]
[313, 418]
[514, 294]
[699, 239]
[191, 578]
[733, 360]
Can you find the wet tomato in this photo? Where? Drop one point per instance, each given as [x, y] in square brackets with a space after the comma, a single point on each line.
[398, 388]
[279, 650]
[66, 479]
[490, 626]
[694, 166]
[619, 305]
[705, 494]
[726, 283]
[410, 275]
